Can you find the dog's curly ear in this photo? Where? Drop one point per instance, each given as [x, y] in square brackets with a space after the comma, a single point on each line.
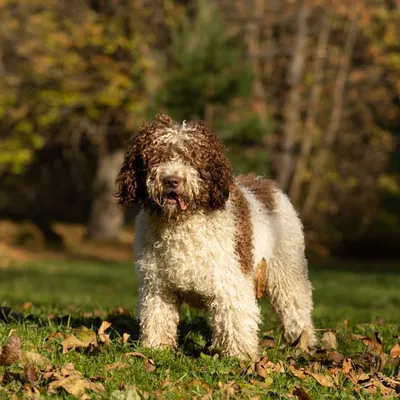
[128, 179]
[221, 175]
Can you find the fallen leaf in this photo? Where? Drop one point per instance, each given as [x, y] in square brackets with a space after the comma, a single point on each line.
[27, 305]
[30, 373]
[12, 351]
[347, 366]
[75, 385]
[268, 343]
[149, 365]
[299, 373]
[335, 357]
[71, 342]
[373, 345]
[86, 335]
[356, 336]
[329, 341]
[66, 370]
[261, 278]
[301, 394]
[116, 365]
[55, 335]
[260, 367]
[30, 357]
[132, 393]
[323, 380]
[31, 392]
[135, 354]
[125, 337]
[302, 341]
[395, 351]
[103, 336]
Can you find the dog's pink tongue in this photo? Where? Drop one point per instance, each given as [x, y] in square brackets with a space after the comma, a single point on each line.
[182, 204]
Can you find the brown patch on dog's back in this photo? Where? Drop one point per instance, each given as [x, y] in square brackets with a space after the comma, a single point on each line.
[264, 189]
[244, 230]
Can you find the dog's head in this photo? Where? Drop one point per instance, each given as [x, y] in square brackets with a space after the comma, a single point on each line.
[174, 169]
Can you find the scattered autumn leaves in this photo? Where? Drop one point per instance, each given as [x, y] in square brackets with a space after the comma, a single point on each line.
[330, 368]
[38, 371]
[325, 366]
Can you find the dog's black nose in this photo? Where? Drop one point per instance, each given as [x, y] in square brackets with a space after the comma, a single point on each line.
[172, 181]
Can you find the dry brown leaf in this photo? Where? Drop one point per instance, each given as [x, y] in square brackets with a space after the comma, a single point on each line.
[268, 343]
[261, 278]
[323, 380]
[228, 388]
[135, 354]
[356, 336]
[299, 373]
[393, 383]
[116, 365]
[301, 394]
[71, 342]
[334, 373]
[66, 370]
[30, 373]
[279, 368]
[12, 351]
[375, 383]
[86, 335]
[329, 341]
[103, 336]
[261, 367]
[373, 345]
[30, 357]
[31, 392]
[149, 365]
[27, 305]
[303, 340]
[347, 366]
[335, 357]
[395, 351]
[75, 385]
[125, 337]
[55, 335]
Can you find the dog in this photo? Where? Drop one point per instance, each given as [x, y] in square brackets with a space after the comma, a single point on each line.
[202, 235]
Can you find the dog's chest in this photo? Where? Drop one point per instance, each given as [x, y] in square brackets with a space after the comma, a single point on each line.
[191, 255]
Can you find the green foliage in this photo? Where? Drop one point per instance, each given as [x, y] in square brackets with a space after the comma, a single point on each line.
[71, 70]
[206, 67]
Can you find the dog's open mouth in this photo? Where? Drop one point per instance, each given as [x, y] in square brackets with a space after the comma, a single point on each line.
[174, 198]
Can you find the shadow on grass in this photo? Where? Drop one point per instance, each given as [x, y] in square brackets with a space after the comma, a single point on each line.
[194, 334]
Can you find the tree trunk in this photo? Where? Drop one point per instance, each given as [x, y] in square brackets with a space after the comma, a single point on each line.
[106, 217]
[292, 110]
[310, 125]
[334, 123]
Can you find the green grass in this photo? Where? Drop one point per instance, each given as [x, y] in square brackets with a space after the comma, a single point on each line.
[353, 298]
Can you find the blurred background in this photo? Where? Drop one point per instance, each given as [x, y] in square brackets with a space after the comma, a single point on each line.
[305, 92]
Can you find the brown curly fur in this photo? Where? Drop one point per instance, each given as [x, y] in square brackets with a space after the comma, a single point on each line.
[244, 230]
[264, 189]
[206, 153]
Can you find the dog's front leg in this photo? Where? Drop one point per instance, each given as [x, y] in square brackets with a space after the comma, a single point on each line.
[235, 318]
[159, 317]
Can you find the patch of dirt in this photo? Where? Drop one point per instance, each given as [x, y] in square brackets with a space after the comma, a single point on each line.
[23, 242]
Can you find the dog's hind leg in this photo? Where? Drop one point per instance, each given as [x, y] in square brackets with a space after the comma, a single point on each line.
[287, 285]
[290, 295]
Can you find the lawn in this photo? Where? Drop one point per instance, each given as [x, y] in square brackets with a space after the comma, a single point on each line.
[46, 304]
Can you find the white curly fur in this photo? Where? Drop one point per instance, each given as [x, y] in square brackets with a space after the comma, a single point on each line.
[196, 254]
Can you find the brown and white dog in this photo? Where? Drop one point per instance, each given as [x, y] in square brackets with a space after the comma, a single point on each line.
[201, 236]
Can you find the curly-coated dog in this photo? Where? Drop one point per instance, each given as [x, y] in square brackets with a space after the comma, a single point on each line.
[202, 235]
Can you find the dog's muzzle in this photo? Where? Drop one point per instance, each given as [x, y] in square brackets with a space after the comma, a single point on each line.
[172, 195]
